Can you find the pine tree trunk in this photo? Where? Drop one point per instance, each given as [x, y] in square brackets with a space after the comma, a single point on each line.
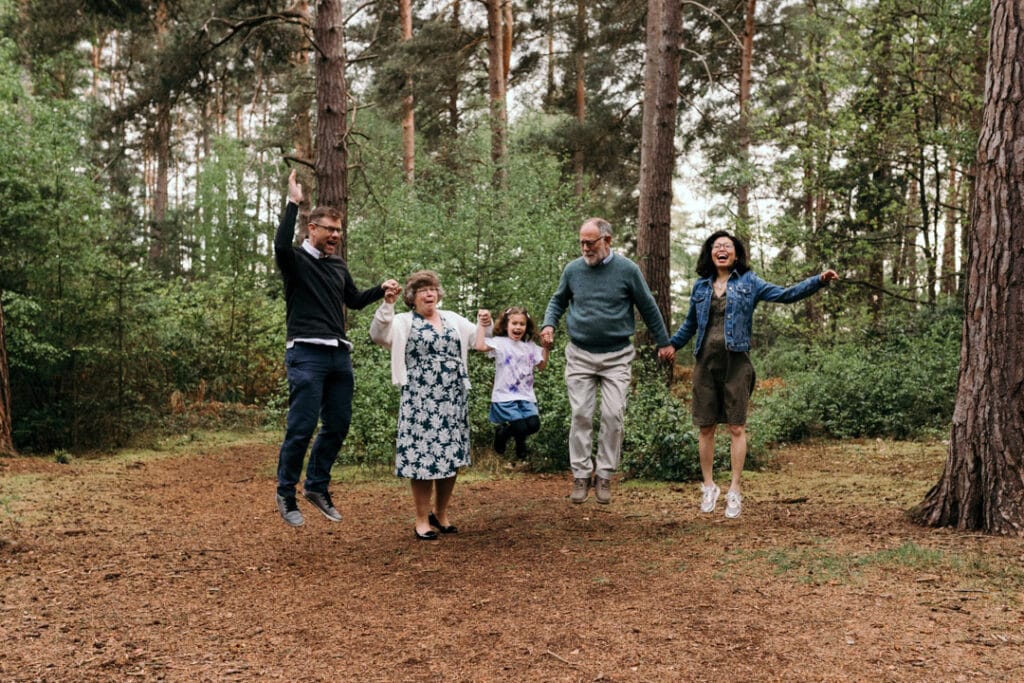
[332, 113]
[746, 67]
[6, 429]
[657, 148]
[408, 112]
[581, 90]
[302, 126]
[496, 79]
[982, 487]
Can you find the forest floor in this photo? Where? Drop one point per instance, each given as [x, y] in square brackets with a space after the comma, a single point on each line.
[173, 565]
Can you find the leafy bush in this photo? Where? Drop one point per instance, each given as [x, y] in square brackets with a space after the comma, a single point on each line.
[898, 382]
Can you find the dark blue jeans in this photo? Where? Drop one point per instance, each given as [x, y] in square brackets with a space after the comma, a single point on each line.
[320, 385]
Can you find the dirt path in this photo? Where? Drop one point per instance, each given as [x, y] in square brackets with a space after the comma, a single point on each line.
[178, 569]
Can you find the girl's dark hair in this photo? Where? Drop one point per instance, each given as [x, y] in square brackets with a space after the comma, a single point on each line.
[420, 280]
[706, 268]
[501, 326]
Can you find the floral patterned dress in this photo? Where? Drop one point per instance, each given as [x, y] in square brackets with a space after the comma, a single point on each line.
[433, 417]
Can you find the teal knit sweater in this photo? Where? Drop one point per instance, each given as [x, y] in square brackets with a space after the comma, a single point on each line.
[600, 301]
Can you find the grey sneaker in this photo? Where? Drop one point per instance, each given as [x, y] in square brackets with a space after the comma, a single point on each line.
[322, 502]
[709, 497]
[289, 511]
[733, 504]
[580, 489]
[602, 490]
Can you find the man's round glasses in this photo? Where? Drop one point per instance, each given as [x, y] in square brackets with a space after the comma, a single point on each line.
[329, 228]
[590, 244]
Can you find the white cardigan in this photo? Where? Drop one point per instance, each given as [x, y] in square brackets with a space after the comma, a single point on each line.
[392, 332]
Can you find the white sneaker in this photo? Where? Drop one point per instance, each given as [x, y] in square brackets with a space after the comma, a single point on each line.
[709, 497]
[733, 504]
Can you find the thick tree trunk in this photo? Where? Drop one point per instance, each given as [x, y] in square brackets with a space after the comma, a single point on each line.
[332, 113]
[6, 429]
[657, 148]
[982, 486]
[496, 79]
[408, 115]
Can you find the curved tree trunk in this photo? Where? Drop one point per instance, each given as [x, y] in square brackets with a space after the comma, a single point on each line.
[982, 486]
[331, 164]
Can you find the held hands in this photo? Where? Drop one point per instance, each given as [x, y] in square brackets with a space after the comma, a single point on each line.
[829, 275]
[294, 188]
[667, 354]
[547, 337]
[391, 290]
[483, 318]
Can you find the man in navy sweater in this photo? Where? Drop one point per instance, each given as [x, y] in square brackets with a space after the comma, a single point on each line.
[599, 291]
[317, 287]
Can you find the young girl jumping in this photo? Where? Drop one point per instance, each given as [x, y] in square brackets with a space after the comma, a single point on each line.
[513, 403]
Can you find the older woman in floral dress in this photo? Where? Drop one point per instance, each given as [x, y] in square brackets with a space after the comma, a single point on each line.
[429, 349]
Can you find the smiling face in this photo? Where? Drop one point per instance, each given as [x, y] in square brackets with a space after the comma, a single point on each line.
[425, 301]
[723, 254]
[516, 326]
[594, 246]
[325, 235]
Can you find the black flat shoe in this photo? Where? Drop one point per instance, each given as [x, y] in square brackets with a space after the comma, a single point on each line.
[429, 536]
[450, 529]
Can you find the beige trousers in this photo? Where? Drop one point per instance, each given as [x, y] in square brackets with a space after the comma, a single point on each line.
[584, 373]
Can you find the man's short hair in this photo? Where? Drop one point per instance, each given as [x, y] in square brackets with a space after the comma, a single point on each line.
[325, 211]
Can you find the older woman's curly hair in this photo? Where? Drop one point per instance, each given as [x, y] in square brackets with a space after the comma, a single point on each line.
[421, 279]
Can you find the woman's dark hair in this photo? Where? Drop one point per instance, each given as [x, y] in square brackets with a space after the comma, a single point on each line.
[417, 281]
[706, 268]
[501, 326]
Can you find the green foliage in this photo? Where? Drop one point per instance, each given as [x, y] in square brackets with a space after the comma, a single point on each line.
[660, 440]
[898, 383]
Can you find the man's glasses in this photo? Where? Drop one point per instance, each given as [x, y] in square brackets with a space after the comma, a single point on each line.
[331, 230]
[590, 244]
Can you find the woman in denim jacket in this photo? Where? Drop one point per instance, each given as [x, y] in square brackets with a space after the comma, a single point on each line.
[721, 316]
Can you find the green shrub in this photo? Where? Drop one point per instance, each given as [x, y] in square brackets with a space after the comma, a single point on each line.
[899, 382]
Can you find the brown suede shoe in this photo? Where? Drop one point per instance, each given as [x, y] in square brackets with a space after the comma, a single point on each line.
[603, 490]
[580, 489]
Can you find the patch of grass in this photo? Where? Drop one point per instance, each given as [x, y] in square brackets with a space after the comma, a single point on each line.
[817, 564]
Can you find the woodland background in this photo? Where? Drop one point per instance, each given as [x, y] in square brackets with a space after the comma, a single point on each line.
[144, 148]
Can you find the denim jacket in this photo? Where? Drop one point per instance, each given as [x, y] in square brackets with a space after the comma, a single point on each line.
[744, 291]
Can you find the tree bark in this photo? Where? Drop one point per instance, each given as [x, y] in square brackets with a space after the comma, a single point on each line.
[947, 280]
[331, 163]
[746, 67]
[657, 148]
[6, 429]
[453, 86]
[302, 128]
[982, 486]
[581, 90]
[161, 147]
[496, 79]
[408, 113]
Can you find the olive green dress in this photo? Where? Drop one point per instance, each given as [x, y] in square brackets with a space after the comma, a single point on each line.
[722, 379]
